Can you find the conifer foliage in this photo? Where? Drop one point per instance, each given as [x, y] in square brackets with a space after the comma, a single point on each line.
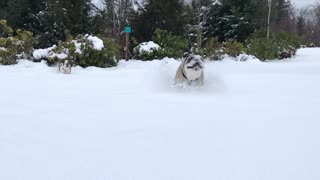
[199, 26]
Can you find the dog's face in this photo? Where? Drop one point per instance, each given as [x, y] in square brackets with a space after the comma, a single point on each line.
[194, 62]
[65, 67]
[66, 63]
[193, 66]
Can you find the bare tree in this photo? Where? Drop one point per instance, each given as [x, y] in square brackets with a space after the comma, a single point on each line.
[114, 16]
[311, 24]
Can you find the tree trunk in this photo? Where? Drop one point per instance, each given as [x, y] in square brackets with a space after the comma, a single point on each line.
[269, 14]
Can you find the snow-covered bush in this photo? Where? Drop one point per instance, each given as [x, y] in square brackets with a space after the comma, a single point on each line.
[86, 51]
[14, 47]
[165, 44]
[25, 43]
[147, 51]
[97, 52]
[7, 53]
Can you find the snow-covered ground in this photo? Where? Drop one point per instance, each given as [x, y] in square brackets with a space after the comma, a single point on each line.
[251, 121]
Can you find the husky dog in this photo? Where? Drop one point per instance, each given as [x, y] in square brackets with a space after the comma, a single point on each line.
[191, 71]
[65, 67]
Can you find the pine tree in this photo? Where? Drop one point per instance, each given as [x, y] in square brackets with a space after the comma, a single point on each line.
[59, 16]
[3, 7]
[204, 22]
[16, 11]
[49, 26]
[165, 14]
[238, 22]
[104, 21]
[76, 15]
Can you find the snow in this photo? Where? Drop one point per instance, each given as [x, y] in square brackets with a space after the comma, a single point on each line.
[59, 55]
[137, 4]
[97, 43]
[100, 4]
[43, 53]
[251, 121]
[78, 46]
[148, 47]
[3, 49]
[49, 52]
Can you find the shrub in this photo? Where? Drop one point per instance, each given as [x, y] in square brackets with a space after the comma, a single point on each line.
[216, 50]
[147, 51]
[7, 51]
[288, 42]
[14, 47]
[274, 47]
[213, 49]
[263, 48]
[234, 48]
[106, 57]
[25, 44]
[171, 45]
[83, 51]
[287, 39]
[5, 30]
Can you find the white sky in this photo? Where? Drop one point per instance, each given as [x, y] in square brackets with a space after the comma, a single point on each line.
[297, 3]
[303, 3]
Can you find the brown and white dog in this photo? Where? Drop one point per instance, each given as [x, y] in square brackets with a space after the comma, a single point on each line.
[191, 71]
[65, 67]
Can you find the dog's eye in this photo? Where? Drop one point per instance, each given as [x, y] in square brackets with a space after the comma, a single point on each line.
[189, 59]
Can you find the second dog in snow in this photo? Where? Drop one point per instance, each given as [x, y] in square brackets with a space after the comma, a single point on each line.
[65, 67]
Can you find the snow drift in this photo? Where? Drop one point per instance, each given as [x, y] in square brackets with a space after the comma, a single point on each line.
[252, 120]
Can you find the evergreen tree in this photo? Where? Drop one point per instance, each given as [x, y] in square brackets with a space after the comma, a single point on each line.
[48, 25]
[19, 13]
[205, 21]
[59, 17]
[3, 7]
[165, 14]
[16, 12]
[75, 15]
[238, 20]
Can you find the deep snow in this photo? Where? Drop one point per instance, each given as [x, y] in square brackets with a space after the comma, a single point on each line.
[252, 121]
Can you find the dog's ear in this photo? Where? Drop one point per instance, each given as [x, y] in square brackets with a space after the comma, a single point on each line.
[189, 58]
[188, 55]
[185, 55]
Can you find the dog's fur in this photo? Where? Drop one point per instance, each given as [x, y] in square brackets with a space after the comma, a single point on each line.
[191, 71]
[65, 67]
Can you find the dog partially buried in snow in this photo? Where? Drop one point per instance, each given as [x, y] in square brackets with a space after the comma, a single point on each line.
[190, 71]
[65, 67]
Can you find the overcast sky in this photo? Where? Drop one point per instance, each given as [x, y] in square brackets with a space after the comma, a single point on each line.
[297, 3]
[303, 3]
